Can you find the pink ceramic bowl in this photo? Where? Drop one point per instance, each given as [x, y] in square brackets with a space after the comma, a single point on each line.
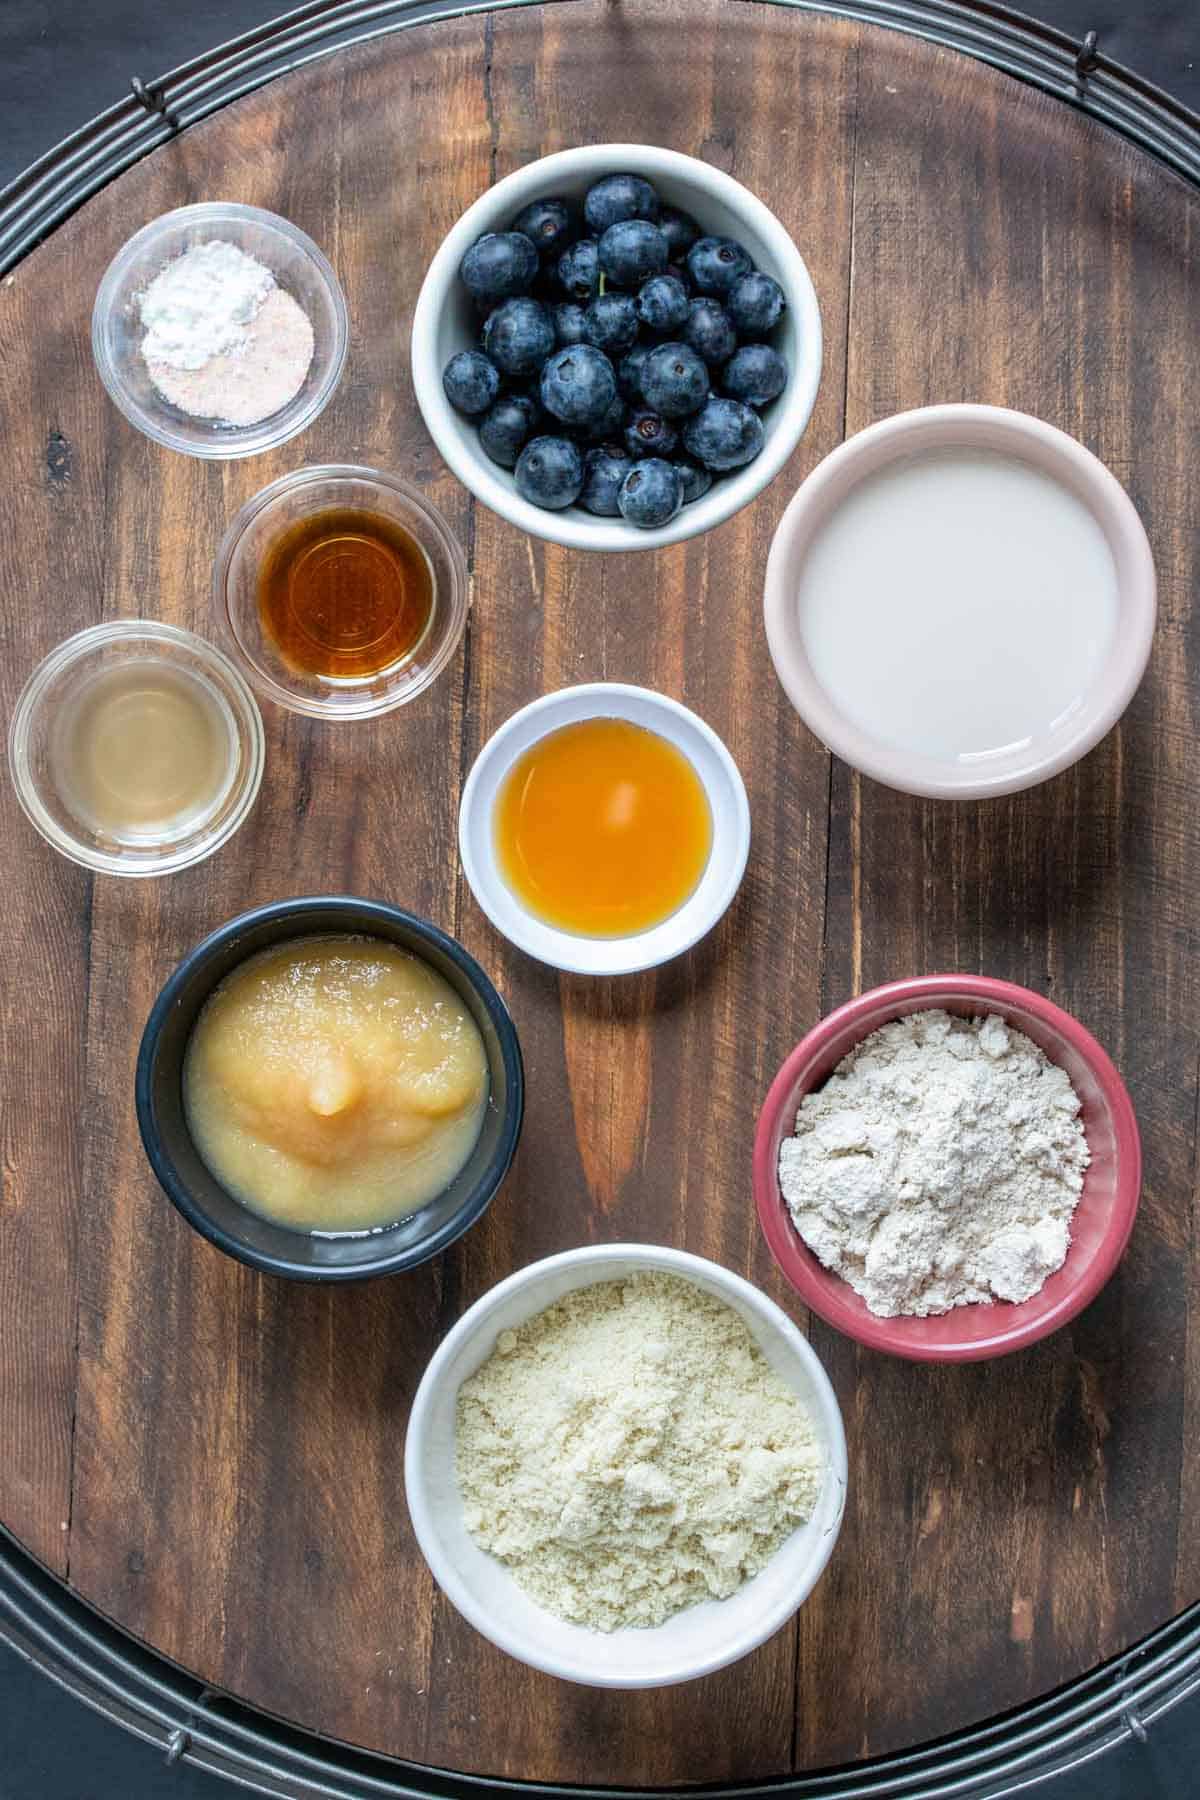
[1103, 1219]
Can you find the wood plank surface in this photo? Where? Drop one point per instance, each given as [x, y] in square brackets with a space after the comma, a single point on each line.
[55, 499]
[1036, 269]
[225, 1449]
[637, 1126]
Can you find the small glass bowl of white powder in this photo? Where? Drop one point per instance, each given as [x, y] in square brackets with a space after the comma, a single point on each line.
[220, 330]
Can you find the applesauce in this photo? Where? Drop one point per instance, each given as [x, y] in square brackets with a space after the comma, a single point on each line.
[335, 1083]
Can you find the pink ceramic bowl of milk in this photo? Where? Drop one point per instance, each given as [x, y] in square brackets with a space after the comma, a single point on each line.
[960, 601]
[1099, 1227]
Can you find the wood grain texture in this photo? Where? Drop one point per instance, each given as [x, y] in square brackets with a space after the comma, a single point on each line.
[228, 1449]
[50, 582]
[1018, 256]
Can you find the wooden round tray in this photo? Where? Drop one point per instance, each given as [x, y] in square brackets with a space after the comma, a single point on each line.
[214, 1459]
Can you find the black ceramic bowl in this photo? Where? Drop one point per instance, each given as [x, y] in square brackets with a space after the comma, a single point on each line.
[202, 1200]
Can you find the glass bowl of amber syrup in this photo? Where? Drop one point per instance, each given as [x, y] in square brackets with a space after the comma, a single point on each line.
[342, 591]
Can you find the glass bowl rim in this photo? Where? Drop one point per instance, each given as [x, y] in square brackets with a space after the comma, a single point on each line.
[235, 690]
[312, 475]
[232, 441]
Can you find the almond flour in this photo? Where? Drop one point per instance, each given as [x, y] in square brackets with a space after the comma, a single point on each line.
[630, 1451]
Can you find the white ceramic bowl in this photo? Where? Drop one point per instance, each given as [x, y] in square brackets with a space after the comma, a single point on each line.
[443, 323]
[703, 1637]
[942, 428]
[726, 798]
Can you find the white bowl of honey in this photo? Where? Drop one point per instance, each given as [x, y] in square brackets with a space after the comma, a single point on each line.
[342, 591]
[604, 829]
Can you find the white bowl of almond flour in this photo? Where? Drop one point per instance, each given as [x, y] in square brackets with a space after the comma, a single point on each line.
[220, 330]
[625, 1466]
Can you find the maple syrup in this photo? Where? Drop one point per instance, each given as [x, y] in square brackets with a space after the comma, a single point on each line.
[602, 828]
[345, 594]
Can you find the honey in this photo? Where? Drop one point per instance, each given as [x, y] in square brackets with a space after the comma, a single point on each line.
[602, 828]
[345, 594]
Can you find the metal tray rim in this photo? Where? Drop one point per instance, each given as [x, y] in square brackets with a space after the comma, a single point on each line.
[104, 1666]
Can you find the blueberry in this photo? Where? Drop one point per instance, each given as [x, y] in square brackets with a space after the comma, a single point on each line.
[651, 494]
[724, 434]
[662, 304]
[603, 472]
[679, 230]
[519, 336]
[609, 428]
[674, 380]
[611, 323]
[709, 331]
[549, 472]
[471, 381]
[579, 270]
[715, 263]
[499, 265]
[578, 385]
[619, 197]
[755, 302]
[696, 480]
[505, 427]
[545, 284]
[569, 323]
[648, 434]
[631, 251]
[755, 374]
[629, 372]
[550, 225]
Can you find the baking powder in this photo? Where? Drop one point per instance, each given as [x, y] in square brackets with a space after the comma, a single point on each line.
[223, 341]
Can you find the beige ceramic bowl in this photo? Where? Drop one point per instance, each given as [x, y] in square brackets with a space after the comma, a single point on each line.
[971, 428]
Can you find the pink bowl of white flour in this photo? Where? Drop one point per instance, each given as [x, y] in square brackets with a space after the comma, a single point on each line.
[1099, 1226]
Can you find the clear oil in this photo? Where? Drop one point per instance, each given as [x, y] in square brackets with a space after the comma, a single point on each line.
[143, 752]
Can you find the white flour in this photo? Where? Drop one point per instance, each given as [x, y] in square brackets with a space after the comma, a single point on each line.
[630, 1451]
[939, 1165]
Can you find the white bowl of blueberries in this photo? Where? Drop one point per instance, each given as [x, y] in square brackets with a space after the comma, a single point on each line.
[617, 347]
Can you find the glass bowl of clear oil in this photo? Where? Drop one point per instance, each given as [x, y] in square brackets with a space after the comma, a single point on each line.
[136, 748]
[342, 591]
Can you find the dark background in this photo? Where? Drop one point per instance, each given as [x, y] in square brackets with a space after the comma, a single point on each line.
[61, 62]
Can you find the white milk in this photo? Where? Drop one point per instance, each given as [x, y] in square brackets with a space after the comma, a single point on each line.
[958, 604]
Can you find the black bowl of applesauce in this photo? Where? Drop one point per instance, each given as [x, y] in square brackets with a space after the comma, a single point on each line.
[329, 1089]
